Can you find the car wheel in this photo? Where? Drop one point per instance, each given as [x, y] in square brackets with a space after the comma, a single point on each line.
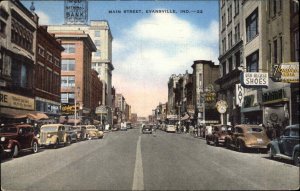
[68, 141]
[35, 147]
[15, 151]
[216, 142]
[240, 146]
[270, 153]
[227, 144]
[207, 141]
[55, 146]
[297, 158]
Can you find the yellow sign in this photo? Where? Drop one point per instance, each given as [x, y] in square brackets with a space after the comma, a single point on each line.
[16, 101]
[69, 109]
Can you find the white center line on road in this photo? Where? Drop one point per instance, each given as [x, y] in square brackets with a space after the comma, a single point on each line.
[138, 176]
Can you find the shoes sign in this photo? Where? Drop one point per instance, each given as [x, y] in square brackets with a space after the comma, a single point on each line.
[254, 79]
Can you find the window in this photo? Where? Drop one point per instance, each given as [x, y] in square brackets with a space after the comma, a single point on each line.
[49, 56]
[230, 64]
[252, 62]
[67, 81]
[98, 53]
[230, 40]
[224, 68]
[281, 50]
[97, 42]
[296, 40]
[97, 33]
[224, 45]
[229, 10]
[67, 98]
[295, 6]
[275, 51]
[236, 7]
[252, 25]
[41, 51]
[237, 33]
[270, 52]
[23, 76]
[274, 7]
[68, 65]
[56, 61]
[69, 48]
[223, 21]
[237, 59]
[2, 27]
[286, 132]
[294, 132]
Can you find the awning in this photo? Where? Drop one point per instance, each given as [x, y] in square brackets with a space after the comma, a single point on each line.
[62, 119]
[17, 114]
[185, 117]
[96, 122]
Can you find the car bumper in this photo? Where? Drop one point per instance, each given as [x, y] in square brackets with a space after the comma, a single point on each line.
[257, 146]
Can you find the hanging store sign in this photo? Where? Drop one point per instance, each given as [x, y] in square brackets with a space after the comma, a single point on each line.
[101, 110]
[76, 11]
[287, 72]
[16, 101]
[254, 79]
[239, 95]
[68, 109]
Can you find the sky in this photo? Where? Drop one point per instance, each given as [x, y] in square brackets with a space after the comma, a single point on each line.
[149, 47]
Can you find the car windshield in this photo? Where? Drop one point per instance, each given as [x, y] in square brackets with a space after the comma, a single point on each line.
[49, 129]
[8, 129]
[255, 130]
[295, 132]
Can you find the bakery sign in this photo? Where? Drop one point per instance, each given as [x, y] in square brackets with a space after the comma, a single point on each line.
[254, 79]
[287, 72]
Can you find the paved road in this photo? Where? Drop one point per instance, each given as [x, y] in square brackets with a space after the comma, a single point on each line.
[129, 160]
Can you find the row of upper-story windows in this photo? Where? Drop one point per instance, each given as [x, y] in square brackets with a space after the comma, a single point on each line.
[21, 36]
[69, 48]
[230, 64]
[67, 81]
[49, 56]
[274, 7]
[228, 12]
[47, 79]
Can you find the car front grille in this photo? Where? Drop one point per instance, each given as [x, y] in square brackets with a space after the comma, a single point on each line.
[43, 137]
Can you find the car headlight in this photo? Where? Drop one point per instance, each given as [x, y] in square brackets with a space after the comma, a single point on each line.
[2, 138]
[38, 135]
[48, 135]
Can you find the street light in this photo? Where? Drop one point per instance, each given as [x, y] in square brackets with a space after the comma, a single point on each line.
[75, 97]
[179, 106]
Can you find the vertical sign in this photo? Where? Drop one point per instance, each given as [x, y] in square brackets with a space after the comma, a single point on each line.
[239, 94]
[76, 11]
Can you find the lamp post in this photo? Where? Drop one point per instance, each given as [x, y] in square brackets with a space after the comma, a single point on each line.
[179, 106]
[75, 99]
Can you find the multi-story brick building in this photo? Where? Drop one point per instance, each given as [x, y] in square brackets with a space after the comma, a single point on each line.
[75, 71]
[17, 60]
[204, 75]
[47, 74]
[96, 86]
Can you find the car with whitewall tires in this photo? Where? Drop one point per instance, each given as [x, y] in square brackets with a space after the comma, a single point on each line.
[15, 138]
[287, 146]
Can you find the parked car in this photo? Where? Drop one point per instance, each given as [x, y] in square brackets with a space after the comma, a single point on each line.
[128, 125]
[54, 135]
[218, 134]
[116, 127]
[81, 132]
[287, 146]
[93, 132]
[71, 133]
[147, 129]
[16, 138]
[247, 136]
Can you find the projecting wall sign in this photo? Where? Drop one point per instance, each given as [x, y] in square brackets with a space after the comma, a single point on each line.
[254, 79]
[76, 11]
[239, 95]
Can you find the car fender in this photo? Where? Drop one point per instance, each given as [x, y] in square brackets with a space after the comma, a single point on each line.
[54, 138]
[34, 139]
[12, 142]
[241, 139]
[275, 147]
[296, 148]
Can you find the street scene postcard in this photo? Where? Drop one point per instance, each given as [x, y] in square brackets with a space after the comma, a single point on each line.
[149, 95]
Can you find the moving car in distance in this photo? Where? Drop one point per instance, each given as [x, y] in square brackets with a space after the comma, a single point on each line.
[171, 123]
[147, 128]
[287, 145]
[16, 138]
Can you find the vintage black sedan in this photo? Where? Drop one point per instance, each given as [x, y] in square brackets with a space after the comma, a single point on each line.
[287, 146]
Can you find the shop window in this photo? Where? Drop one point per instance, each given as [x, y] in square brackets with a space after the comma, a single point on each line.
[252, 25]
